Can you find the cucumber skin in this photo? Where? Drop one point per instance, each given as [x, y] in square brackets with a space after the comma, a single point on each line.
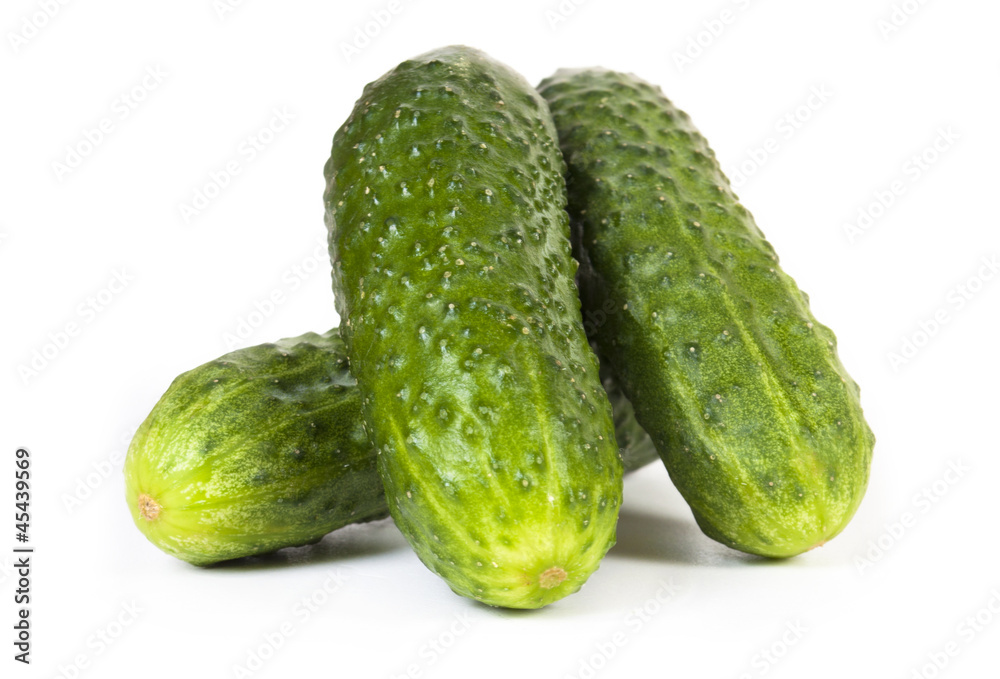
[739, 387]
[634, 445]
[260, 449]
[454, 279]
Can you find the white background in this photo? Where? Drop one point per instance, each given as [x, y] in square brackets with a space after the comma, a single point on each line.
[880, 600]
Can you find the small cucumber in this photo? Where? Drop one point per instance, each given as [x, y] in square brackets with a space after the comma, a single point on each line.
[260, 449]
[740, 388]
[454, 278]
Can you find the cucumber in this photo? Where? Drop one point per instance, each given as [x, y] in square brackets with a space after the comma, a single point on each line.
[260, 449]
[452, 266]
[634, 445]
[740, 388]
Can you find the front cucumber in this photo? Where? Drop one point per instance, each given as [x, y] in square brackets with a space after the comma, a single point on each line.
[738, 385]
[454, 279]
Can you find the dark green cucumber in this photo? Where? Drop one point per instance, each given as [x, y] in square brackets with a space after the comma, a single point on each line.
[634, 445]
[260, 449]
[739, 386]
[454, 279]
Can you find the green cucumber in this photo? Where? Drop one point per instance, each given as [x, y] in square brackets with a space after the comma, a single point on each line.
[454, 278]
[634, 445]
[260, 449]
[740, 388]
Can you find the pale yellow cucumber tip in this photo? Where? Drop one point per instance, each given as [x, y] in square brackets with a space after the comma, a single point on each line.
[552, 577]
[149, 508]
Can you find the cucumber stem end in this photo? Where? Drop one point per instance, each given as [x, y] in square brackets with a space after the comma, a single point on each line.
[149, 508]
[551, 578]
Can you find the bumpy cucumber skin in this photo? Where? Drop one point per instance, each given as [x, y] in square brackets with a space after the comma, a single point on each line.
[739, 387]
[260, 449]
[454, 278]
